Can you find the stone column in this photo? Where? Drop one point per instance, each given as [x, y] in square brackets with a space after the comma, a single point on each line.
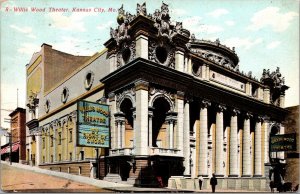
[189, 66]
[266, 95]
[54, 143]
[134, 129]
[171, 134]
[38, 137]
[74, 118]
[207, 71]
[141, 91]
[233, 148]
[179, 60]
[142, 46]
[49, 143]
[203, 145]
[203, 72]
[179, 132]
[112, 103]
[186, 139]
[150, 114]
[266, 126]
[257, 148]
[281, 100]
[219, 141]
[123, 143]
[119, 134]
[246, 168]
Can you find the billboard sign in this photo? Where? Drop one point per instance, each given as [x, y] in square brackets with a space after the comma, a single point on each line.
[284, 142]
[92, 124]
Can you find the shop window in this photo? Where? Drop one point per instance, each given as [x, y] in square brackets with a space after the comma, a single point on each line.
[59, 138]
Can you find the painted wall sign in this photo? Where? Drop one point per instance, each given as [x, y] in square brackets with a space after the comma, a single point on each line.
[285, 142]
[93, 124]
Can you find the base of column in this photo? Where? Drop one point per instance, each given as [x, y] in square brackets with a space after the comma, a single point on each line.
[257, 175]
[246, 175]
[203, 175]
[219, 175]
[233, 175]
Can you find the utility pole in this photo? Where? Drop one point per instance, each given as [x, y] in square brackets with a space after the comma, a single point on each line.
[10, 147]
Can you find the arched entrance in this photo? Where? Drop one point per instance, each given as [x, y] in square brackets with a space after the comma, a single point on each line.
[126, 109]
[159, 136]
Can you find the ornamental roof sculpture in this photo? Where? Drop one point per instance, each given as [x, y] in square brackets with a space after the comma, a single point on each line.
[166, 32]
[274, 80]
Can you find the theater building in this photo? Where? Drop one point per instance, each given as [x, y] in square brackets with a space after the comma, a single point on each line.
[180, 108]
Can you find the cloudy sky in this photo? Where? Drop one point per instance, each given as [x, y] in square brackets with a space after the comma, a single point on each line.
[264, 33]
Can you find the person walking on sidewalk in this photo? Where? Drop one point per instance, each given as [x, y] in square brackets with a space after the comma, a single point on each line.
[213, 182]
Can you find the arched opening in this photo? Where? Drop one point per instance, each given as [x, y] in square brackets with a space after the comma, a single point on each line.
[126, 108]
[161, 107]
[126, 55]
[161, 54]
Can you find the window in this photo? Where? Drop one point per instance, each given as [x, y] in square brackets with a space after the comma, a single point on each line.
[70, 135]
[43, 143]
[51, 158]
[59, 138]
[47, 106]
[64, 95]
[81, 155]
[59, 157]
[51, 140]
[89, 78]
[70, 155]
[43, 159]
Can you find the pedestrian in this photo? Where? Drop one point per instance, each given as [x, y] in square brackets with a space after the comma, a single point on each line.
[200, 182]
[213, 182]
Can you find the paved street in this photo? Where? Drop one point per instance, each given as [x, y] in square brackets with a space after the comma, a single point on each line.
[20, 180]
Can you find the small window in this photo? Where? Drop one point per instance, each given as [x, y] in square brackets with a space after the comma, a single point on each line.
[89, 79]
[43, 159]
[59, 138]
[51, 158]
[64, 95]
[47, 105]
[70, 135]
[59, 157]
[196, 69]
[70, 156]
[79, 170]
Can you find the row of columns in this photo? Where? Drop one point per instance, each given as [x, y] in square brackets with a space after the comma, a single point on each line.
[233, 148]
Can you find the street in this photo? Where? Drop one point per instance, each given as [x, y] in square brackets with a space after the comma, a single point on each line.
[19, 180]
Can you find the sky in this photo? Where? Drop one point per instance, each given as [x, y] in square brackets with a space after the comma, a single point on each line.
[265, 34]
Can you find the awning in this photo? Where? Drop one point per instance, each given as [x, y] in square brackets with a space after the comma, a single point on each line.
[14, 148]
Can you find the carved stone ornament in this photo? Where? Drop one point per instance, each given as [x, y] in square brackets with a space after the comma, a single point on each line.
[129, 93]
[163, 24]
[163, 54]
[155, 93]
[33, 102]
[126, 54]
[121, 33]
[141, 9]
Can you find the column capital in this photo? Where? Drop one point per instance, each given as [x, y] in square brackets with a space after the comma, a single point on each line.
[204, 103]
[248, 115]
[259, 118]
[180, 95]
[111, 96]
[235, 112]
[220, 107]
[141, 85]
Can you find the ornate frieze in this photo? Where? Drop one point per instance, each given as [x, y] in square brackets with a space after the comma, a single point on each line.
[126, 54]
